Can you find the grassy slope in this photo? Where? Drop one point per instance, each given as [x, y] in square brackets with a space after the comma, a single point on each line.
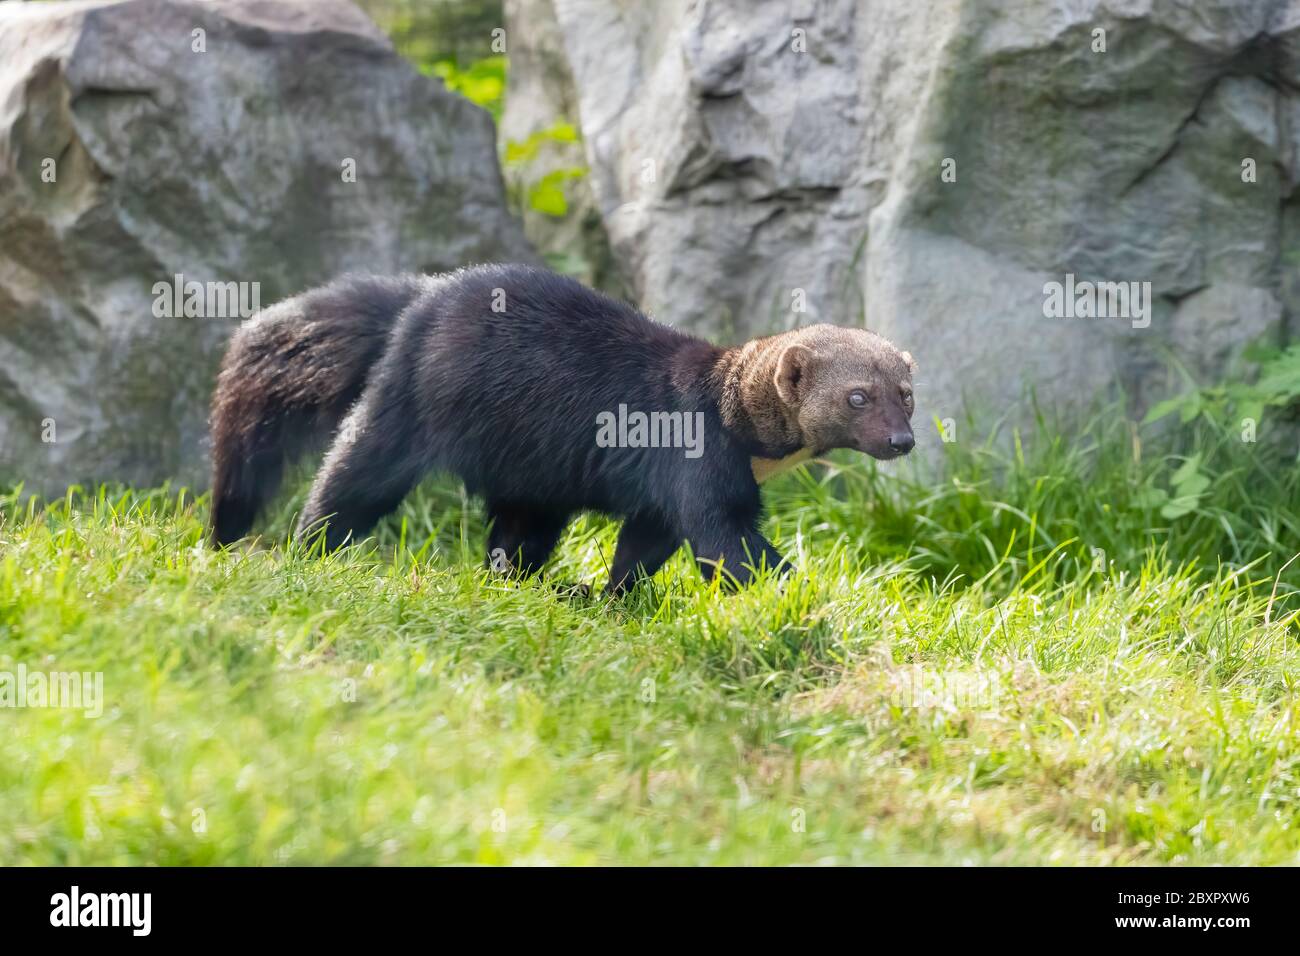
[957, 676]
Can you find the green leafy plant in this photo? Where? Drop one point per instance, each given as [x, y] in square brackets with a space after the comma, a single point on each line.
[526, 150]
[482, 82]
[545, 194]
[1276, 386]
[1233, 411]
[1187, 485]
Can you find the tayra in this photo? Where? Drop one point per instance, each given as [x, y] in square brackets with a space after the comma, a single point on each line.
[546, 399]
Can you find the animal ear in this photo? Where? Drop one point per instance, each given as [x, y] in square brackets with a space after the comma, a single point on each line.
[911, 362]
[790, 370]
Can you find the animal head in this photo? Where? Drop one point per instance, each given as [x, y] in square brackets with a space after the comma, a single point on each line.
[846, 388]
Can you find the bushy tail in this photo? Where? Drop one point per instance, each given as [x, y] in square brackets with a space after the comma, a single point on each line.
[288, 378]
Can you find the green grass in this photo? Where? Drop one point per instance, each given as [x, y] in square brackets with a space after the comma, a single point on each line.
[955, 675]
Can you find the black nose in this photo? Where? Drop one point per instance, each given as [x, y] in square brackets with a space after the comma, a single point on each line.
[902, 442]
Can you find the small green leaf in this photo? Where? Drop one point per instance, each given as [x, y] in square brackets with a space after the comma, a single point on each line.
[1178, 507]
[1189, 467]
[521, 151]
[1193, 487]
[1163, 409]
[1150, 497]
[547, 197]
[562, 133]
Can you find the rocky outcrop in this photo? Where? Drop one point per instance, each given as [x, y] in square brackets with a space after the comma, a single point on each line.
[252, 148]
[936, 168]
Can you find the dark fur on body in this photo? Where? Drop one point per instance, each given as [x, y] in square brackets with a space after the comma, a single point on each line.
[419, 374]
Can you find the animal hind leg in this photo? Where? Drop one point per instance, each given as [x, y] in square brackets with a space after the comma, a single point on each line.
[372, 465]
[644, 544]
[522, 536]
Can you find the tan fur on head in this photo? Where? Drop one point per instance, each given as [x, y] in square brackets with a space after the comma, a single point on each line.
[799, 391]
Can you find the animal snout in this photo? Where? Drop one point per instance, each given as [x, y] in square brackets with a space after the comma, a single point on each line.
[902, 442]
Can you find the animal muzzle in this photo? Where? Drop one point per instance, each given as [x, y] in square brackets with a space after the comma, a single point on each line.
[892, 444]
[902, 441]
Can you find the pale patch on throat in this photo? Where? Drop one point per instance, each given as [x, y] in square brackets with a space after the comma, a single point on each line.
[765, 468]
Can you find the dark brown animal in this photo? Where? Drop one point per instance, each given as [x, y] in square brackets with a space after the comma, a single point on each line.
[512, 378]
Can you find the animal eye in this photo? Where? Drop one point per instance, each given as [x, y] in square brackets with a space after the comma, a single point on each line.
[858, 398]
[907, 398]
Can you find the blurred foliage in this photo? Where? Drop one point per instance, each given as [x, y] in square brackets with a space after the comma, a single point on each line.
[527, 150]
[482, 82]
[1235, 409]
[547, 194]
[428, 32]
[543, 193]
[1275, 388]
[453, 40]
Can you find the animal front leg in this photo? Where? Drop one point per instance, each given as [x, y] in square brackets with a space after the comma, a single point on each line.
[735, 550]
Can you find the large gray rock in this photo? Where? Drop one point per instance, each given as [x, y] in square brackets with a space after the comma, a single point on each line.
[222, 166]
[745, 169]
